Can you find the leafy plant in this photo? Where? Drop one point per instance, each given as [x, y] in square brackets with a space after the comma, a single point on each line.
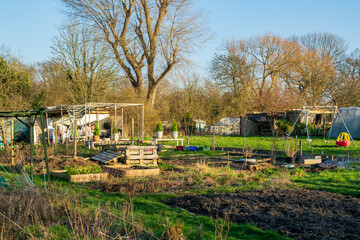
[115, 128]
[284, 125]
[83, 170]
[159, 127]
[96, 129]
[174, 126]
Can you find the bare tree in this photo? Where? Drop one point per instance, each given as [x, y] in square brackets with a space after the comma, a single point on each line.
[148, 37]
[345, 91]
[232, 69]
[308, 73]
[328, 44]
[84, 62]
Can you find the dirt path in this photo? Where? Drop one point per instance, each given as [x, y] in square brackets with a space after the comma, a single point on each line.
[300, 214]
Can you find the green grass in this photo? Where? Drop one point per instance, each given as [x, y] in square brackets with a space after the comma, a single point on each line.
[266, 143]
[174, 153]
[343, 181]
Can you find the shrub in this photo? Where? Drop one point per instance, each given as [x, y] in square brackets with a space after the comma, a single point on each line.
[284, 125]
[159, 127]
[96, 129]
[83, 170]
[174, 126]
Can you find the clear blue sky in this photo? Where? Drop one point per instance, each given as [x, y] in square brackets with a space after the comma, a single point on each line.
[27, 26]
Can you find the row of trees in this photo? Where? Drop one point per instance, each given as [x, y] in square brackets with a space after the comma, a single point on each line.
[271, 73]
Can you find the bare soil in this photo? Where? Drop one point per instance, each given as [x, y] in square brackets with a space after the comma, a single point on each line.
[299, 214]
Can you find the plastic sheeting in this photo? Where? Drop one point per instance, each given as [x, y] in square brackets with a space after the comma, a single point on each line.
[351, 118]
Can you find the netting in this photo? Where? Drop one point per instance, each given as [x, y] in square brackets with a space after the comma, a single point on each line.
[351, 118]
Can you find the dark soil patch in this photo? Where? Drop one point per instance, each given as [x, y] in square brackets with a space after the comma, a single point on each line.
[300, 214]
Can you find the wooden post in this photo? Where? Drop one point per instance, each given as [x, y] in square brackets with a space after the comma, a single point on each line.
[142, 123]
[32, 122]
[214, 142]
[296, 140]
[244, 130]
[47, 128]
[300, 149]
[228, 158]
[75, 138]
[12, 143]
[122, 123]
[42, 118]
[324, 128]
[132, 131]
[112, 132]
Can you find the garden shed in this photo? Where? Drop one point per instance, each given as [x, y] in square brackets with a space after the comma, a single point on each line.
[199, 125]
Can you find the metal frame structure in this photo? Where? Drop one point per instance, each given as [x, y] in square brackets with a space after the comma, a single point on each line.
[308, 109]
[44, 112]
[87, 108]
[32, 115]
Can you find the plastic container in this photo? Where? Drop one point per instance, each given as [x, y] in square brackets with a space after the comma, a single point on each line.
[180, 148]
[193, 148]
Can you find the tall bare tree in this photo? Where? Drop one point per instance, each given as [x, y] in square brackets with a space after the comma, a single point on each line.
[84, 60]
[329, 45]
[308, 73]
[232, 69]
[148, 37]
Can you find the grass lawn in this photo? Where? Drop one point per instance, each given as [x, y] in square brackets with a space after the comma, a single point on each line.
[343, 181]
[266, 143]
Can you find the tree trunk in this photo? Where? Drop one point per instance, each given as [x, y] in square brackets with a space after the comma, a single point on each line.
[150, 100]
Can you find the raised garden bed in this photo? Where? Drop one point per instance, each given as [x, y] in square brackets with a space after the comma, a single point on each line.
[90, 177]
[121, 170]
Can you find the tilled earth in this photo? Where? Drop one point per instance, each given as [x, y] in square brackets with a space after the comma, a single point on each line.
[299, 214]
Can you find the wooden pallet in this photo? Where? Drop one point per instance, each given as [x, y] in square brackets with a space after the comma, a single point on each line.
[107, 157]
[139, 155]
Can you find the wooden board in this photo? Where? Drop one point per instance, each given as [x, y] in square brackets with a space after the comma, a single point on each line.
[80, 177]
[118, 171]
[107, 157]
[310, 161]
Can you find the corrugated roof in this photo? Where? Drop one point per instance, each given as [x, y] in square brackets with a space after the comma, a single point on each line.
[228, 121]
